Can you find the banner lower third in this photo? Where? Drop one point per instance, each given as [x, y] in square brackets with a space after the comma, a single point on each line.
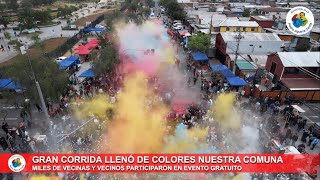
[39, 163]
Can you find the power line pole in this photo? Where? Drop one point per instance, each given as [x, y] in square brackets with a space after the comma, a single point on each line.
[210, 26]
[238, 37]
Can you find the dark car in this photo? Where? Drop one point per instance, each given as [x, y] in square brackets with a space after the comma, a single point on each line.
[316, 130]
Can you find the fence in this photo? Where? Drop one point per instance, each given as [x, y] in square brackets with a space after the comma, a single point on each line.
[65, 47]
[306, 95]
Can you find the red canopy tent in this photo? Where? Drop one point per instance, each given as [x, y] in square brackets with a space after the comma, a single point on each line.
[91, 44]
[80, 47]
[83, 52]
[170, 32]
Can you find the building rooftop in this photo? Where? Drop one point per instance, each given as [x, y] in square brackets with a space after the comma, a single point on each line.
[275, 9]
[259, 60]
[262, 18]
[231, 22]
[230, 36]
[301, 83]
[300, 59]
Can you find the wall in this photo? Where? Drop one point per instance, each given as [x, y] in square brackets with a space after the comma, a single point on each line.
[274, 58]
[306, 95]
[315, 36]
[286, 37]
[220, 44]
[254, 47]
[234, 29]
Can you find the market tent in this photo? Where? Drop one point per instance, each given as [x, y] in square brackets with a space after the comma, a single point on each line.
[219, 67]
[14, 86]
[183, 32]
[74, 59]
[4, 82]
[236, 81]
[170, 32]
[199, 56]
[83, 52]
[65, 64]
[87, 74]
[94, 29]
[227, 73]
[80, 47]
[92, 44]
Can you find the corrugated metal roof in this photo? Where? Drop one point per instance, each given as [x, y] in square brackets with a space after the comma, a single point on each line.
[300, 59]
[301, 83]
[231, 22]
[230, 36]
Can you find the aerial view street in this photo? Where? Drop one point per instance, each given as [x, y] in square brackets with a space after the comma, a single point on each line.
[159, 77]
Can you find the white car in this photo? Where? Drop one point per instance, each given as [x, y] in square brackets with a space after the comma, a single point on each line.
[59, 59]
[178, 28]
[152, 16]
[99, 26]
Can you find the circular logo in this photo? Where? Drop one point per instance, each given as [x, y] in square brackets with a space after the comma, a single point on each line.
[16, 163]
[300, 20]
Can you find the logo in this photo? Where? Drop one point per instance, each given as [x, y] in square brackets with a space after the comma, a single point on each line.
[16, 163]
[300, 20]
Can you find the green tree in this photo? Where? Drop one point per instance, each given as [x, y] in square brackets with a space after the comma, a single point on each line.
[174, 10]
[43, 16]
[5, 21]
[52, 80]
[199, 42]
[16, 44]
[7, 35]
[26, 18]
[246, 13]
[12, 4]
[106, 61]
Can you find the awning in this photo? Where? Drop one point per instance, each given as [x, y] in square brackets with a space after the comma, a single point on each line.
[227, 73]
[83, 52]
[14, 86]
[64, 64]
[236, 81]
[219, 67]
[4, 82]
[87, 74]
[199, 56]
[245, 65]
[170, 32]
[94, 29]
[183, 32]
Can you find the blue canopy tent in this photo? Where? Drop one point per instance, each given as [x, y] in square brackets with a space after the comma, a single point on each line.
[4, 82]
[227, 73]
[64, 64]
[14, 86]
[236, 81]
[199, 56]
[87, 74]
[219, 67]
[88, 29]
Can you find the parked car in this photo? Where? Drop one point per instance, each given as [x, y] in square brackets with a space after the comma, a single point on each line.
[59, 59]
[152, 16]
[100, 26]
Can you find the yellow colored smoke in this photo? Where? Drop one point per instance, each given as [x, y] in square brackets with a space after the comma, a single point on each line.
[194, 140]
[224, 111]
[96, 106]
[137, 127]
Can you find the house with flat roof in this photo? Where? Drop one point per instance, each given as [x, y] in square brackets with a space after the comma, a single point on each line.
[263, 21]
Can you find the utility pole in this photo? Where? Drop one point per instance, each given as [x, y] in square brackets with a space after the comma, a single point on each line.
[238, 37]
[23, 51]
[210, 26]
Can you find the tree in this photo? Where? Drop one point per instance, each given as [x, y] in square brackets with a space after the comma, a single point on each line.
[7, 35]
[199, 42]
[42, 16]
[4, 21]
[26, 4]
[174, 10]
[26, 18]
[246, 13]
[16, 44]
[106, 61]
[40, 45]
[12, 4]
[53, 81]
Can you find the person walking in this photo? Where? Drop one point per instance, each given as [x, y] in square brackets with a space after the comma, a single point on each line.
[314, 143]
[2, 48]
[305, 134]
[302, 124]
[311, 138]
[294, 139]
[9, 48]
[38, 107]
[288, 136]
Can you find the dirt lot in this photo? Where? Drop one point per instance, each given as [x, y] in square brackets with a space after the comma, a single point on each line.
[82, 21]
[34, 52]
